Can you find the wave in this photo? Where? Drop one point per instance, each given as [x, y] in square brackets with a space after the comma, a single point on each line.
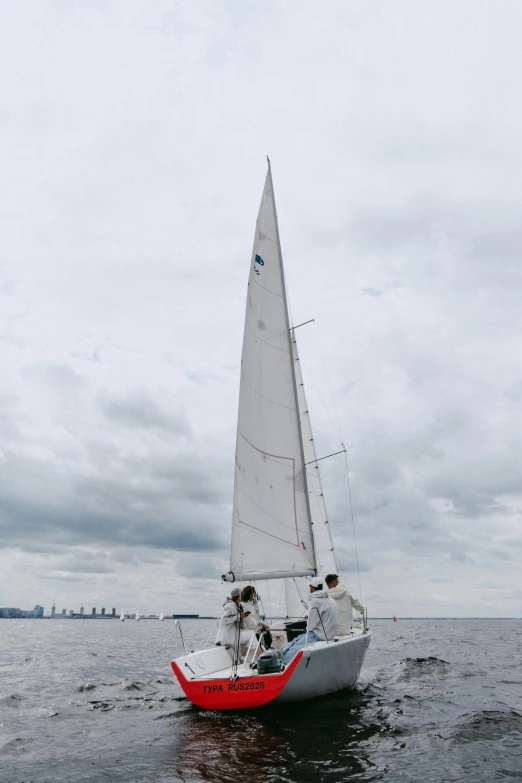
[417, 668]
[103, 706]
[489, 725]
[13, 700]
[131, 686]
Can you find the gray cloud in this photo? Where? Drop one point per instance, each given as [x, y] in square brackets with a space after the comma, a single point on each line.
[84, 562]
[143, 412]
[61, 577]
[163, 514]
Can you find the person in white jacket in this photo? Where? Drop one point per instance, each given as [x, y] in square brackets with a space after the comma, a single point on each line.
[252, 621]
[231, 632]
[249, 603]
[323, 621]
[344, 601]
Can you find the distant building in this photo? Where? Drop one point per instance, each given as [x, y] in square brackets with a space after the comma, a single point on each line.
[103, 612]
[64, 612]
[185, 616]
[53, 610]
[10, 611]
[114, 611]
[93, 611]
[82, 609]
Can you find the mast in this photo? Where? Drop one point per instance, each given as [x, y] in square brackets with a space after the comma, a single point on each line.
[295, 358]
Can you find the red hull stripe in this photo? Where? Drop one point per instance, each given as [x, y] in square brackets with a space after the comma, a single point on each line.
[245, 692]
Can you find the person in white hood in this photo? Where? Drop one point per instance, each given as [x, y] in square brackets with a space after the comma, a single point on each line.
[323, 621]
[252, 621]
[231, 631]
[344, 602]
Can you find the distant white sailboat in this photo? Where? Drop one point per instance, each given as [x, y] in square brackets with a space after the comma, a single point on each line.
[137, 614]
[161, 615]
[280, 528]
[122, 616]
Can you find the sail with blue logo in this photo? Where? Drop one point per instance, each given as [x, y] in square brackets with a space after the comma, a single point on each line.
[271, 523]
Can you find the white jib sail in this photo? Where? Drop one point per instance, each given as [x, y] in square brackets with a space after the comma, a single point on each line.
[271, 527]
[297, 591]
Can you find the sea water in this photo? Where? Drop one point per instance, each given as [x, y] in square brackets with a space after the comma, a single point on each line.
[96, 700]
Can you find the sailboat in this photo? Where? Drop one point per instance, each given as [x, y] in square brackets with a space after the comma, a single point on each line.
[122, 616]
[161, 616]
[137, 614]
[280, 528]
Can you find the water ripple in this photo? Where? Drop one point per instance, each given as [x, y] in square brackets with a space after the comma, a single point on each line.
[438, 702]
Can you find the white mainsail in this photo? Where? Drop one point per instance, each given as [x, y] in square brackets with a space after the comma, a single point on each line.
[271, 523]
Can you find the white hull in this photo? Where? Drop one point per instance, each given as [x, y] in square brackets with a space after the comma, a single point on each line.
[326, 668]
[209, 680]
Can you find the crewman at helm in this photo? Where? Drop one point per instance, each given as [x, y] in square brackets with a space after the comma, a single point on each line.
[323, 621]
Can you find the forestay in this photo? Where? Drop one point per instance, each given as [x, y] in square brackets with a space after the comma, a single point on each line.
[271, 526]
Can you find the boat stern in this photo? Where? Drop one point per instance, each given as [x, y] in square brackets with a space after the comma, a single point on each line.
[221, 689]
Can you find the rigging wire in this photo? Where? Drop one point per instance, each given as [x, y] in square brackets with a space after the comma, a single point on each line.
[337, 427]
[280, 602]
[352, 516]
[300, 595]
[332, 422]
[353, 526]
[321, 504]
[236, 659]
[260, 599]
[332, 397]
[211, 633]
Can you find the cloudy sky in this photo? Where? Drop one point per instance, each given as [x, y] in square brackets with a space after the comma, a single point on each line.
[133, 138]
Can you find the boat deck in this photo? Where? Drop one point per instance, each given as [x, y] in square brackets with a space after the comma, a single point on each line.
[214, 656]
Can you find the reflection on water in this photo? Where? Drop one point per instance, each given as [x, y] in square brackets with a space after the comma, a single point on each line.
[316, 742]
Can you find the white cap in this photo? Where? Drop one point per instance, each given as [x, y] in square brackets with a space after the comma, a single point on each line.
[316, 581]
